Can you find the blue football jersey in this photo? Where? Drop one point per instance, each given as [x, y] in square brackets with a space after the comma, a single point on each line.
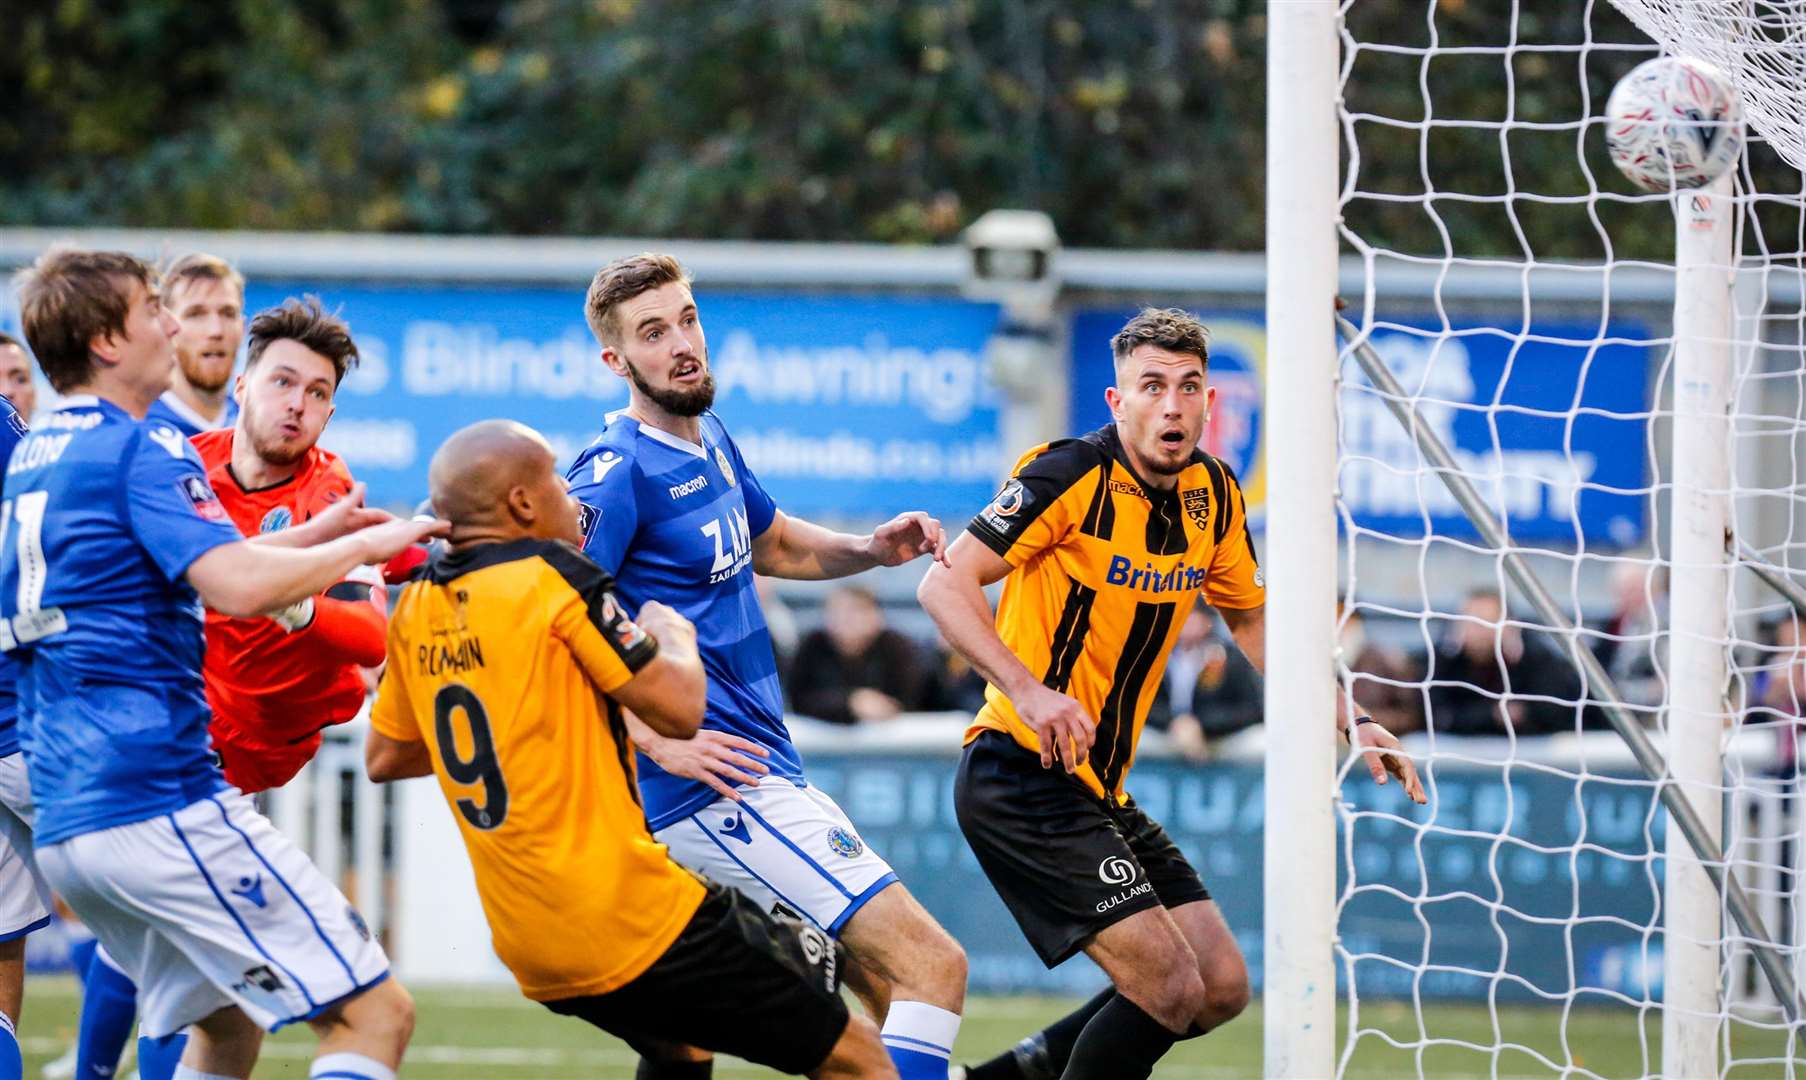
[101, 519]
[675, 522]
[12, 429]
[172, 410]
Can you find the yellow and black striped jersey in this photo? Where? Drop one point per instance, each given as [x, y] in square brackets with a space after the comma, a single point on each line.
[1105, 570]
[502, 659]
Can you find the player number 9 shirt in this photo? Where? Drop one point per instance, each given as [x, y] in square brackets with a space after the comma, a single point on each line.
[501, 660]
[1104, 571]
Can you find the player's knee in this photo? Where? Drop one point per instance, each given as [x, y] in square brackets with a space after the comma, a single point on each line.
[383, 1014]
[1173, 994]
[947, 960]
[1224, 1000]
[396, 1015]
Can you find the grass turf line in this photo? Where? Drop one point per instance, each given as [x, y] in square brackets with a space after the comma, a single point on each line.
[472, 1033]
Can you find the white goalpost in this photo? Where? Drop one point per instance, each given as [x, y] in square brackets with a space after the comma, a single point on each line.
[1565, 535]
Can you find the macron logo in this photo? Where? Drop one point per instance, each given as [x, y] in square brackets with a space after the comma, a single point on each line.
[169, 439]
[604, 462]
[690, 486]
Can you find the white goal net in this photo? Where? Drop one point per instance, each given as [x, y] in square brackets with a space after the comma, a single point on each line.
[1523, 295]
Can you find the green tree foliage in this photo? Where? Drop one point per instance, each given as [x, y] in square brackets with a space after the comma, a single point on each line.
[1132, 122]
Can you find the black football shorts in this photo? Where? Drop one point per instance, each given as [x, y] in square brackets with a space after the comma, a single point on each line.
[1066, 862]
[736, 981]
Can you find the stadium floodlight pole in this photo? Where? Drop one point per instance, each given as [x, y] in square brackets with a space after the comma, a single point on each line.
[1685, 818]
[1300, 398]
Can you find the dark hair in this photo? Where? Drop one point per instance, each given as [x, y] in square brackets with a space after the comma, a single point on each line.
[303, 321]
[621, 281]
[1172, 329]
[7, 341]
[201, 267]
[69, 297]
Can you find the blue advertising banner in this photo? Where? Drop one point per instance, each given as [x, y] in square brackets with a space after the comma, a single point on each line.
[1551, 424]
[846, 406]
[1519, 881]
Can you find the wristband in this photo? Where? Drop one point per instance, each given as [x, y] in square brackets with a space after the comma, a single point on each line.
[1348, 733]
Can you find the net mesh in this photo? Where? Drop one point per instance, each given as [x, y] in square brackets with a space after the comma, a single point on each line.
[1761, 44]
[1522, 293]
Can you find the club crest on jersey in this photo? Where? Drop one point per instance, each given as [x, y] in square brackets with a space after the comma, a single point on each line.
[278, 519]
[1005, 506]
[616, 624]
[587, 516]
[727, 470]
[844, 843]
[1197, 506]
[201, 497]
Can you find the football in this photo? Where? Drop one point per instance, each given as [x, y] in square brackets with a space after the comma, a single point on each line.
[1673, 124]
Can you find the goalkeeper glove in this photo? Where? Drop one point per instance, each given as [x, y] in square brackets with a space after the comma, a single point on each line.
[297, 616]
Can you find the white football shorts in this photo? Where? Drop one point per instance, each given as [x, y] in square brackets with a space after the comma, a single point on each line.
[24, 898]
[790, 848]
[209, 907]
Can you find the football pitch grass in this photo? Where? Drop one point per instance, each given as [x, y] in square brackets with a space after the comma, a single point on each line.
[482, 1033]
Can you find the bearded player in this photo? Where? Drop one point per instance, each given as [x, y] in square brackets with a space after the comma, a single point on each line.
[207, 297]
[276, 683]
[273, 684]
[676, 516]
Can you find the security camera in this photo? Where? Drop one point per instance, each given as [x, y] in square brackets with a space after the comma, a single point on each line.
[1011, 257]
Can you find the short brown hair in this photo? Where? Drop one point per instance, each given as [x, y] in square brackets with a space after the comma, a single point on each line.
[69, 297]
[621, 281]
[7, 341]
[305, 322]
[200, 266]
[1172, 329]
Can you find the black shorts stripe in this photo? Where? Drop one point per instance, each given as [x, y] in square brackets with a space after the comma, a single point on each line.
[1069, 637]
[1116, 722]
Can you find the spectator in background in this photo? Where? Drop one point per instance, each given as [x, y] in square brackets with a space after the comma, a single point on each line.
[1630, 638]
[1488, 675]
[1385, 682]
[1779, 692]
[855, 668]
[15, 377]
[953, 684]
[1210, 689]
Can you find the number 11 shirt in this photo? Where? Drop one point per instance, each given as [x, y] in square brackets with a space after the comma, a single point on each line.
[103, 516]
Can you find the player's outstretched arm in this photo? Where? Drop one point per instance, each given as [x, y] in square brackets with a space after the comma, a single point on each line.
[669, 693]
[346, 515]
[952, 592]
[1381, 749]
[244, 579]
[804, 551]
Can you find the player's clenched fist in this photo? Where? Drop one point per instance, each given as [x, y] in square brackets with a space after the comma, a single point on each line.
[1060, 723]
[665, 624]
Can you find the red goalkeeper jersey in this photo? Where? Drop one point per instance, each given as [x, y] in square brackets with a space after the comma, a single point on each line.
[273, 691]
